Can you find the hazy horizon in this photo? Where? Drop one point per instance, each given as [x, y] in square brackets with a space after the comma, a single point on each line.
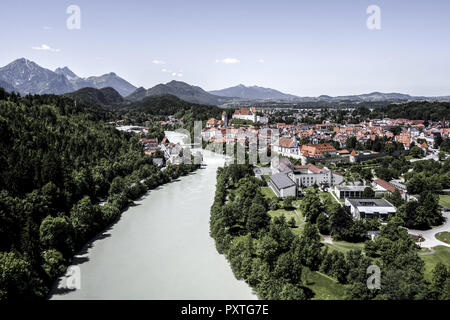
[303, 48]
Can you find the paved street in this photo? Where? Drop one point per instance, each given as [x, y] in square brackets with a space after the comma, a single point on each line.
[429, 235]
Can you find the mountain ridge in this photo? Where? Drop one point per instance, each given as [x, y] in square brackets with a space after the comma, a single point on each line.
[252, 92]
[27, 76]
[182, 90]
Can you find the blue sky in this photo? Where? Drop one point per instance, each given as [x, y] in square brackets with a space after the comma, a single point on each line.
[306, 48]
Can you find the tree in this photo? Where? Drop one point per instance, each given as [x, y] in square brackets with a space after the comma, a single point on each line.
[257, 219]
[440, 279]
[15, 278]
[351, 142]
[395, 198]
[267, 249]
[239, 255]
[311, 206]
[339, 268]
[416, 152]
[85, 219]
[292, 292]
[287, 202]
[416, 184]
[53, 263]
[292, 223]
[287, 268]
[118, 186]
[323, 224]
[56, 233]
[396, 130]
[368, 193]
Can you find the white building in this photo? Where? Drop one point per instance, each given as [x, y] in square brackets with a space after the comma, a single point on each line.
[349, 191]
[370, 208]
[250, 114]
[310, 175]
[282, 185]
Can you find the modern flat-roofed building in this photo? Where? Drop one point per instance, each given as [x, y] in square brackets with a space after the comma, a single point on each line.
[370, 208]
[282, 185]
[349, 191]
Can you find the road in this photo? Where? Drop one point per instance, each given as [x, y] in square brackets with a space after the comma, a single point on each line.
[429, 235]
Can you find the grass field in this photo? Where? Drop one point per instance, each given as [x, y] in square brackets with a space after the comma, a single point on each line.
[441, 254]
[444, 199]
[443, 236]
[268, 193]
[344, 246]
[288, 214]
[324, 287]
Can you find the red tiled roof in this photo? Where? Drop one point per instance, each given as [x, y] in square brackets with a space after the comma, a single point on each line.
[386, 185]
[311, 168]
[286, 142]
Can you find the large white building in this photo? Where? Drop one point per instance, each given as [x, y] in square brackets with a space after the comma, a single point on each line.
[282, 185]
[250, 114]
[370, 208]
[310, 175]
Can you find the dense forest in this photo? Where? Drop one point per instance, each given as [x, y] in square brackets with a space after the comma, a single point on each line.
[58, 160]
[271, 258]
[428, 111]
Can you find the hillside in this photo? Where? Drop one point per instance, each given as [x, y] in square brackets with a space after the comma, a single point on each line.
[181, 90]
[165, 105]
[105, 96]
[56, 160]
[7, 86]
[253, 92]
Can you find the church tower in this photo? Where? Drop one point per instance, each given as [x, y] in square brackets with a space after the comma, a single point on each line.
[225, 119]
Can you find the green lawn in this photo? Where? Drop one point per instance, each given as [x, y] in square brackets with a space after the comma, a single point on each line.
[324, 287]
[288, 214]
[443, 236]
[444, 199]
[441, 254]
[268, 193]
[344, 246]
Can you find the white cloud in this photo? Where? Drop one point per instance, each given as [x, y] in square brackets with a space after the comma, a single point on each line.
[173, 73]
[261, 60]
[45, 47]
[47, 28]
[158, 62]
[228, 61]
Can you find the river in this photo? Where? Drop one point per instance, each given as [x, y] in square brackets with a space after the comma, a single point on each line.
[160, 248]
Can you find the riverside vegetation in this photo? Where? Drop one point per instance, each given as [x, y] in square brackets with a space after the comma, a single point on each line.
[58, 160]
[271, 258]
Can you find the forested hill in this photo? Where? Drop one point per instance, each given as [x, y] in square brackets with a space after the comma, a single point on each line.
[56, 162]
[434, 111]
[165, 105]
[105, 96]
[171, 105]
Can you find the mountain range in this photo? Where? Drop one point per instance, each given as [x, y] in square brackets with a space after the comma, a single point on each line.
[25, 76]
[181, 90]
[253, 92]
